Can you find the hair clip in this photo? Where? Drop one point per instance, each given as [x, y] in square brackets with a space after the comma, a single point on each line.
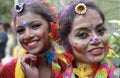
[19, 7]
[80, 8]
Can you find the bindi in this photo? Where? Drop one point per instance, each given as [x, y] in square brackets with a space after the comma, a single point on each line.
[92, 27]
[25, 23]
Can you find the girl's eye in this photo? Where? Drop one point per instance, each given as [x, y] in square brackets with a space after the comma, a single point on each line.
[82, 35]
[101, 30]
[20, 30]
[36, 25]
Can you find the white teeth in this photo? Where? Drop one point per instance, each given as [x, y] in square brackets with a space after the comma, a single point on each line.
[32, 43]
[95, 50]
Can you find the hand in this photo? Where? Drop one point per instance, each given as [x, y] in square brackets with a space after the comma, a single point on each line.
[28, 63]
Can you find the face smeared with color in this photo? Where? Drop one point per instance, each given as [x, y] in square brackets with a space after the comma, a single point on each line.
[88, 37]
[32, 32]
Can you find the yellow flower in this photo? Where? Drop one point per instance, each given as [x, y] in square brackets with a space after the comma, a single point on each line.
[83, 71]
[102, 73]
[80, 8]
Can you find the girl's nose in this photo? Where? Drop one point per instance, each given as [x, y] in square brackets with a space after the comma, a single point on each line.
[94, 39]
[28, 34]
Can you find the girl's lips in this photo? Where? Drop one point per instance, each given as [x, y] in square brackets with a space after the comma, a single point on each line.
[32, 44]
[96, 51]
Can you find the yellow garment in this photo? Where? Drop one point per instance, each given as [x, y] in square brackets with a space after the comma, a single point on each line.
[18, 71]
[18, 51]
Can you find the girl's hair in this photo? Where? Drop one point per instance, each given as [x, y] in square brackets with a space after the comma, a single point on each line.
[38, 7]
[67, 15]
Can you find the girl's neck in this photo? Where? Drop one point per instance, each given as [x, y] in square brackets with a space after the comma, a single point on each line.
[78, 62]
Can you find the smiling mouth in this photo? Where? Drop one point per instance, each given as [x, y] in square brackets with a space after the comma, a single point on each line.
[32, 44]
[96, 51]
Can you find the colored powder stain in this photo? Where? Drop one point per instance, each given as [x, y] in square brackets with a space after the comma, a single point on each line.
[94, 40]
[75, 43]
[91, 35]
[44, 38]
[78, 52]
[84, 15]
[25, 23]
[91, 24]
[83, 45]
[92, 27]
[28, 17]
[18, 21]
[91, 40]
[93, 58]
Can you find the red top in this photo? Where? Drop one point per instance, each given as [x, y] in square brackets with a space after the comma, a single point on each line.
[8, 70]
[0, 66]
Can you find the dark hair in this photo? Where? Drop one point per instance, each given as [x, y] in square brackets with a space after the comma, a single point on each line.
[6, 26]
[67, 15]
[37, 7]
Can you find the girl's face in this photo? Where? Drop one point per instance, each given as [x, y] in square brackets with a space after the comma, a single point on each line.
[88, 37]
[32, 33]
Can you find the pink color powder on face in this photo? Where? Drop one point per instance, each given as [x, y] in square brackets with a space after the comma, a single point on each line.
[79, 51]
[43, 35]
[75, 44]
[28, 17]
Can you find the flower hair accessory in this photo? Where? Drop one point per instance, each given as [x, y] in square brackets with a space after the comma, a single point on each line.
[19, 7]
[80, 8]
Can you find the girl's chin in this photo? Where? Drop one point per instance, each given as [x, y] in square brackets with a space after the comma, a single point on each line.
[34, 52]
[96, 60]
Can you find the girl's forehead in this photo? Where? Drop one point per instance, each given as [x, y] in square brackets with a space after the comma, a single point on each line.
[27, 18]
[90, 18]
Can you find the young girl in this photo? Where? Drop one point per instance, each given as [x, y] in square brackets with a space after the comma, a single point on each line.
[34, 22]
[83, 33]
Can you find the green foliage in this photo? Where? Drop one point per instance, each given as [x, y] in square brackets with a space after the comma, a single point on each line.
[58, 4]
[5, 10]
[115, 53]
[115, 42]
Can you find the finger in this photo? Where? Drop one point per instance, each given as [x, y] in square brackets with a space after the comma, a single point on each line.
[25, 60]
[28, 57]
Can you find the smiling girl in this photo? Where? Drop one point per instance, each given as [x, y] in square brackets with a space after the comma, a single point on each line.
[84, 34]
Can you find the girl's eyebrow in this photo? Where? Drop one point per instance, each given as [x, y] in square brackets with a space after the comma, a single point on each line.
[99, 25]
[81, 28]
[88, 28]
[35, 21]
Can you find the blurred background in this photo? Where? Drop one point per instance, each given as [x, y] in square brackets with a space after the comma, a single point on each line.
[111, 9]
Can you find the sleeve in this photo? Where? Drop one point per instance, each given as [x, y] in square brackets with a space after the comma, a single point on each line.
[8, 70]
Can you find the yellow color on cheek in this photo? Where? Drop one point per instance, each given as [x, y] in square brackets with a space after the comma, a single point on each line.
[79, 54]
